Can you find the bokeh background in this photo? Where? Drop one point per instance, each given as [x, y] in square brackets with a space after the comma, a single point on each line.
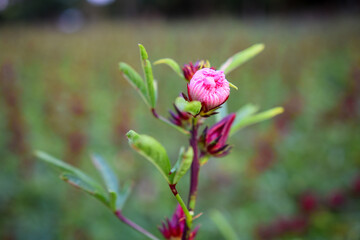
[294, 177]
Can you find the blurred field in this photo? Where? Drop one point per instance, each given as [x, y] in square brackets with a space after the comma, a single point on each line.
[63, 93]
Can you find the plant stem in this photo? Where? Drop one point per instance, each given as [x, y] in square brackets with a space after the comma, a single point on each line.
[194, 177]
[195, 167]
[166, 121]
[182, 204]
[134, 225]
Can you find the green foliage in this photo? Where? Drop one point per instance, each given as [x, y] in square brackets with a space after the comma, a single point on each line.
[114, 198]
[172, 64]
[193, 107]
[296, 63]
[182, 165]
[135, 80]
[152, 150]
[116, 195]
[223, 225]
[241, 57]
[75, 177]
[149, 78]
[246, 118]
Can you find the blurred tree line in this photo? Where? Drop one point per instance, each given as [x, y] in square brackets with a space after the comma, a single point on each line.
[21, 10]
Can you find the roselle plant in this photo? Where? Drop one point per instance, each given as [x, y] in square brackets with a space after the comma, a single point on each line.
[207, 90]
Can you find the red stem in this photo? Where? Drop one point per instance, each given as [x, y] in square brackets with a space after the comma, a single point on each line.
[134, 225]
[194, 177]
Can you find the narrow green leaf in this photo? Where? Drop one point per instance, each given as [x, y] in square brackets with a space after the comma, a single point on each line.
[109, 177]
[143, 53]
[245, 111]
[241, 57]
[148, 76]
[172, 64]
[252, 119]
[123, 196]
[152, 150]
[223, 225]
[78, 182]
[134, 79]
[63, 166]
[193, 107]
[183, 164]
[75, 176]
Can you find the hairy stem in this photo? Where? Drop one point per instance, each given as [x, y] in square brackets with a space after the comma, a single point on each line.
[194, 176]
[134, 225]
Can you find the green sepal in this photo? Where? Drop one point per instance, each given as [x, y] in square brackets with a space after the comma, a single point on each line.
[241, 57]
[182, 165]
[193, 107]
[172, 64]
[152, 150]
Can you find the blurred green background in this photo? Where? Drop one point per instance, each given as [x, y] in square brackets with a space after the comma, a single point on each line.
[293, 177]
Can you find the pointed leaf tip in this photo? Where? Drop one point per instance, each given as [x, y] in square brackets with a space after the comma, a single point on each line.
[172, 64]
[152, 150]
[143, 52]
[135, 80]
[241, 57]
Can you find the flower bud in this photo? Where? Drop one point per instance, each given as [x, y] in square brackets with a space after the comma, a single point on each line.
[190, 69]
[209, 87]
[214, 139]
[173, 229]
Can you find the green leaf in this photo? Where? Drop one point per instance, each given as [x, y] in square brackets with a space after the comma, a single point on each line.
[148, 76]
[135, 80]
[245, 111]
[223, 225]
[241, 57]
[84, 181]
[124, 194]
[252, 119]
[117, 195]
[193, 107]
[78, 182]
[143, 53]
[110, 179]
[152, 150]
[172, 64]
[183, 164]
